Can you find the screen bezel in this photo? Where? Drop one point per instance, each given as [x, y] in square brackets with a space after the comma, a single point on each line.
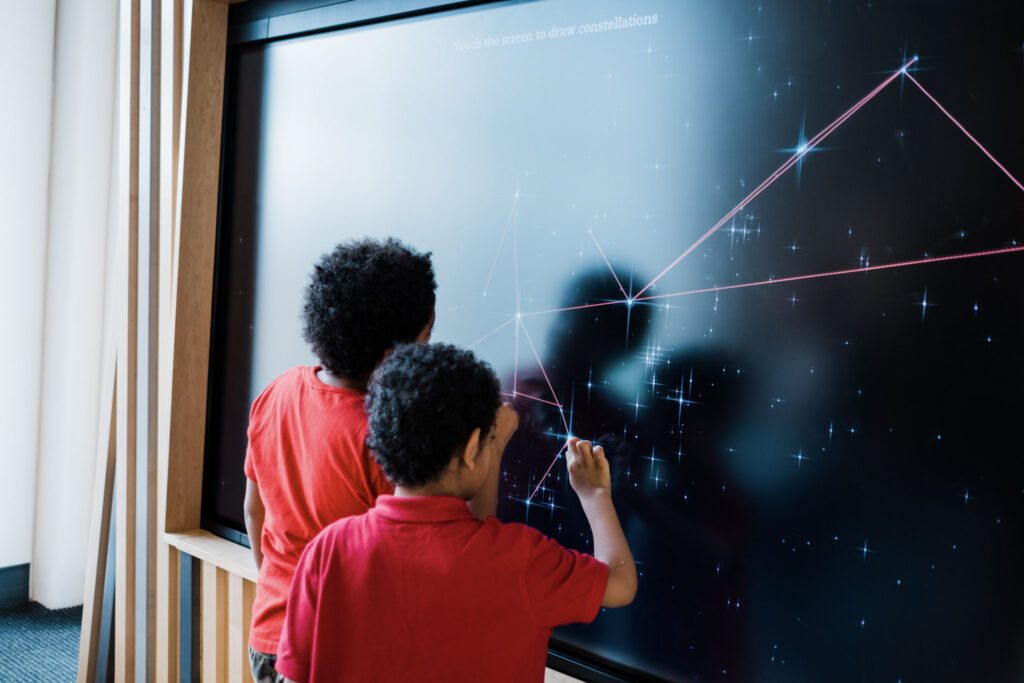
[258, 22]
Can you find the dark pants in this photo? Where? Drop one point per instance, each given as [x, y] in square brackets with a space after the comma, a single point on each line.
[263, 667]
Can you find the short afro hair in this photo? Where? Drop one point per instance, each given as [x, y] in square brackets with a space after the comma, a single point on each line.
[363, 298]
[424, 401]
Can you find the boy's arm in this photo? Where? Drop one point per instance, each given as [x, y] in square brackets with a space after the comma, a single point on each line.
[485, 503]
[254, 512]
[590, 477]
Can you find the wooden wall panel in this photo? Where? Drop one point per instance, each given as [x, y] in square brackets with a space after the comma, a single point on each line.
[202, 101]
[127, 263]
[99, 530]
[241, 594]
[167, 560]
[214, 638]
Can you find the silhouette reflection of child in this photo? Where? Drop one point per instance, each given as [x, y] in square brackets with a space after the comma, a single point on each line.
[682, 515]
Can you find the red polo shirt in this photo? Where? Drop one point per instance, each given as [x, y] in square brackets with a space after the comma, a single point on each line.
[307, 453]
[418, 589]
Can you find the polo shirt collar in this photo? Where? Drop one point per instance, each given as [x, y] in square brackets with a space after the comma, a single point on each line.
[423, 508]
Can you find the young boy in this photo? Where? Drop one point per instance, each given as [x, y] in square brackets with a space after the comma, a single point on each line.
[307, 463]
[417, 588]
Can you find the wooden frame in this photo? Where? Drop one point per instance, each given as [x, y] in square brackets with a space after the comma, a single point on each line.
[128, 228]
[193, 80]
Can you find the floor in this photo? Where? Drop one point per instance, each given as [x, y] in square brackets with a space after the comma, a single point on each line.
[37, 644]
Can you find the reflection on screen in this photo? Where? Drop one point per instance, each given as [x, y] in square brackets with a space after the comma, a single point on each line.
[770, 259]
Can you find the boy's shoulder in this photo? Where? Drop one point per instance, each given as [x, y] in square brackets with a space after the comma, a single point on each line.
[334, 534]
[290, 379]
[518, 537]
[287, 383]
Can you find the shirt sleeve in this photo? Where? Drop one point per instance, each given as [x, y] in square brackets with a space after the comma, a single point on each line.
[255, 413]
[249, 467]
[295, 648]
[563, 586]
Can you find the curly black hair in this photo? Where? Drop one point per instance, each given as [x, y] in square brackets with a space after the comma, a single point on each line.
[363, 298]
[424, 402]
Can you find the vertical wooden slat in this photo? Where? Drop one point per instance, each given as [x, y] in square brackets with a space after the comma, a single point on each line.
[240, 596]
[99, 530]
[148, 340]
[248, 598]
[199, 165]
[127, 263]
[167, 560]
[214, 623]
[168, 584]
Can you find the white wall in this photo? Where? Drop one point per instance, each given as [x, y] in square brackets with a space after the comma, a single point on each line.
[26, 81]
[57, 76]
[76, 270]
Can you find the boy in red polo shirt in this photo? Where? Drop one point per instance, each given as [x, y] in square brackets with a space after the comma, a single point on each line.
[419, 589]
[307, 464]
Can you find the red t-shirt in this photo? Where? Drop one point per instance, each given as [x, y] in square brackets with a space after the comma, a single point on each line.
[418, 589]
[307, 453]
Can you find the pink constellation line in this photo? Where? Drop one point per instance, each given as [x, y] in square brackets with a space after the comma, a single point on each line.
[775, 175]
[561, 411]
[966, 132]
[794, 278]
[845, 271]
[781, 170]
[544, 476]
[544, 372]
[806, 148]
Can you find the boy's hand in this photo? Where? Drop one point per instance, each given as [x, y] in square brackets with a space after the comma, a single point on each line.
[506, 421]
[589, 473]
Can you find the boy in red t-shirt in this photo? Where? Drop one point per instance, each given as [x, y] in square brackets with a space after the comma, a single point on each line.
[307, 464]
[419, 589]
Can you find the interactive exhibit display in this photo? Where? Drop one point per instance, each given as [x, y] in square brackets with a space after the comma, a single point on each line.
[770, 257]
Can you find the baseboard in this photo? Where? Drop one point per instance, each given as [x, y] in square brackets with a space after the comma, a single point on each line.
[13, 585]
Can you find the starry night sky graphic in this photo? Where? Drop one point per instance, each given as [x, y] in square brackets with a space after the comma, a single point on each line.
[824, 481]
[813, 417]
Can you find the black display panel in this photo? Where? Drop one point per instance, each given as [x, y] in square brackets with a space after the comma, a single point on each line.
[768, 254]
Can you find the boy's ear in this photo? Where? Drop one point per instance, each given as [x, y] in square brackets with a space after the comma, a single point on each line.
[471, 450]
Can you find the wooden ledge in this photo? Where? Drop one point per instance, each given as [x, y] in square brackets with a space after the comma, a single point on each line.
[231, 557]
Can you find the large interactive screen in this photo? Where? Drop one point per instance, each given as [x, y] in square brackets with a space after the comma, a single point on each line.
[771, 255]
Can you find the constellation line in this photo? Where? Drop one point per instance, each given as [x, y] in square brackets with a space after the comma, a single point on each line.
[492, 332]
[781, 170]
[501, 243]
[597, 304]
[544, 476]
[520, 394]
[608, 263]
[845, 271]
[967, 133]
[544, 372]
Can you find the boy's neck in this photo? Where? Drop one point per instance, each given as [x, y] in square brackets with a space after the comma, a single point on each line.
[331, 380]
[439, 488]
